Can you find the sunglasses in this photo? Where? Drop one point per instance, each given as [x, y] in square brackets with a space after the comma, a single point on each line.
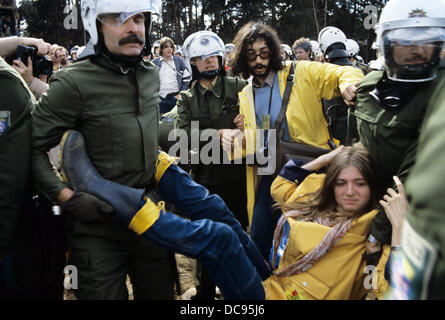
[252, 55]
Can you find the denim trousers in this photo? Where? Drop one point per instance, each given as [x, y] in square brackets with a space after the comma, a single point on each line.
[167, 104]
[264, 218]
[213, 236]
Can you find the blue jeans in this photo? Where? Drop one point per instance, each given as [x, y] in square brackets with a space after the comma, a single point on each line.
[167, 104]
[213, 236]
[264, 219]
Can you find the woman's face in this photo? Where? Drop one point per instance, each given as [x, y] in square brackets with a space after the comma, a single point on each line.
[352, 191]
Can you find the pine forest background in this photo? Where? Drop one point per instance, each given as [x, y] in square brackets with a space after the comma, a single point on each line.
[292, 19]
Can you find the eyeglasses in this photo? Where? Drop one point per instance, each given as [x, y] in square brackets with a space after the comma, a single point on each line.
[252, 55]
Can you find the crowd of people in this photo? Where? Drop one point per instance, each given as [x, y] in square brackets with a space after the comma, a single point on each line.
[8, 20]
[96, 137]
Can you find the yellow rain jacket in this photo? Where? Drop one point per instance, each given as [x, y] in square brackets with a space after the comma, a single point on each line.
[305, 118]
[338, 275]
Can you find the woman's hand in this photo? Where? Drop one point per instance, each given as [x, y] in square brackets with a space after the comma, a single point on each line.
[323, 160]
[395, 205]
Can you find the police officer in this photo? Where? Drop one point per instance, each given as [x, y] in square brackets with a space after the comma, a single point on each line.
[213, 102]
[333, 45]
[391, 103]
[16, 103]
[418, 271]
[111, 96]
[23, 241]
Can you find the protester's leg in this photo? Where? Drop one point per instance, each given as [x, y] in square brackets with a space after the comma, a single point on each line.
[214, 243]
[217, 246]
[232, 194]
[264, 219]
[176, 186]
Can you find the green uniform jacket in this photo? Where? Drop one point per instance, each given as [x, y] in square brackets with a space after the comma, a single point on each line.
[391, 136]
[16, 103]
[425, 190]
[206, 106]
[115, 108]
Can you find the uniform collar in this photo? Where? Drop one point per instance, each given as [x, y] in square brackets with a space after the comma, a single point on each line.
[106, 62]
[216, 87]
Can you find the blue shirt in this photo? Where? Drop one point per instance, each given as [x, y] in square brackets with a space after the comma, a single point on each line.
[262, 98]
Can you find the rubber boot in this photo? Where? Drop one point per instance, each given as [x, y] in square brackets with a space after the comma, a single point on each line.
[82, 176]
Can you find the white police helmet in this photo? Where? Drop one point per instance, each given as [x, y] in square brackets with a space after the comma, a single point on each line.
[412, 25]
[287, 49]
[229, 47]
[315, 47]
[203, 44]
[92, 10]
[178, 49]
[330, 35]
[352, 47]
[155, 45]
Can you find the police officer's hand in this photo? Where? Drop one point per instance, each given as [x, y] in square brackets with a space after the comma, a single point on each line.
[349, 94]
[25, 71]
[396, 206]
[86, 207]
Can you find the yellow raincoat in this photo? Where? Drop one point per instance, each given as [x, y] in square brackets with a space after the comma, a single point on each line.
[338, 275]
[314, 81]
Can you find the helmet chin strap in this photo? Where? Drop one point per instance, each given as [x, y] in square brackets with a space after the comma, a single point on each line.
[209, 74]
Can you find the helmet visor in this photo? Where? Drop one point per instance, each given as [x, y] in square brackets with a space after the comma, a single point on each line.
[406, 36]
[118, 19]
[412, 54]
[117, 13]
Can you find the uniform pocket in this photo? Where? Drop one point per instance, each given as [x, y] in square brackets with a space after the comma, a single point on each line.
[126, 142]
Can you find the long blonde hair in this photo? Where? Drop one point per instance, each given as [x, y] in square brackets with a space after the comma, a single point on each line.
[321, 205]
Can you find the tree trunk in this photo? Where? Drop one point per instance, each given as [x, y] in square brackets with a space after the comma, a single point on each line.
[315, 16]
[191, 24]
[325, 12]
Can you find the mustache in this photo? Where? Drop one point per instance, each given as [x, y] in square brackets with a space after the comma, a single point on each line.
[259, 66]
[133, 38]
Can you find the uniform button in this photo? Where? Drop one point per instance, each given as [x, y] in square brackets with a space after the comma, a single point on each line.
[305, 284]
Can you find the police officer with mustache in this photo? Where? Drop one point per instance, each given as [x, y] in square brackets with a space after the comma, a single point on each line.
[111, 96]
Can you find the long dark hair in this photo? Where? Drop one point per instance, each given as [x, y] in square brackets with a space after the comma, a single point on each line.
[322, 203]
[245, 37]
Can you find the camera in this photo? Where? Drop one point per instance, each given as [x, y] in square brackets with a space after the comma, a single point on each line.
[40, 65]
